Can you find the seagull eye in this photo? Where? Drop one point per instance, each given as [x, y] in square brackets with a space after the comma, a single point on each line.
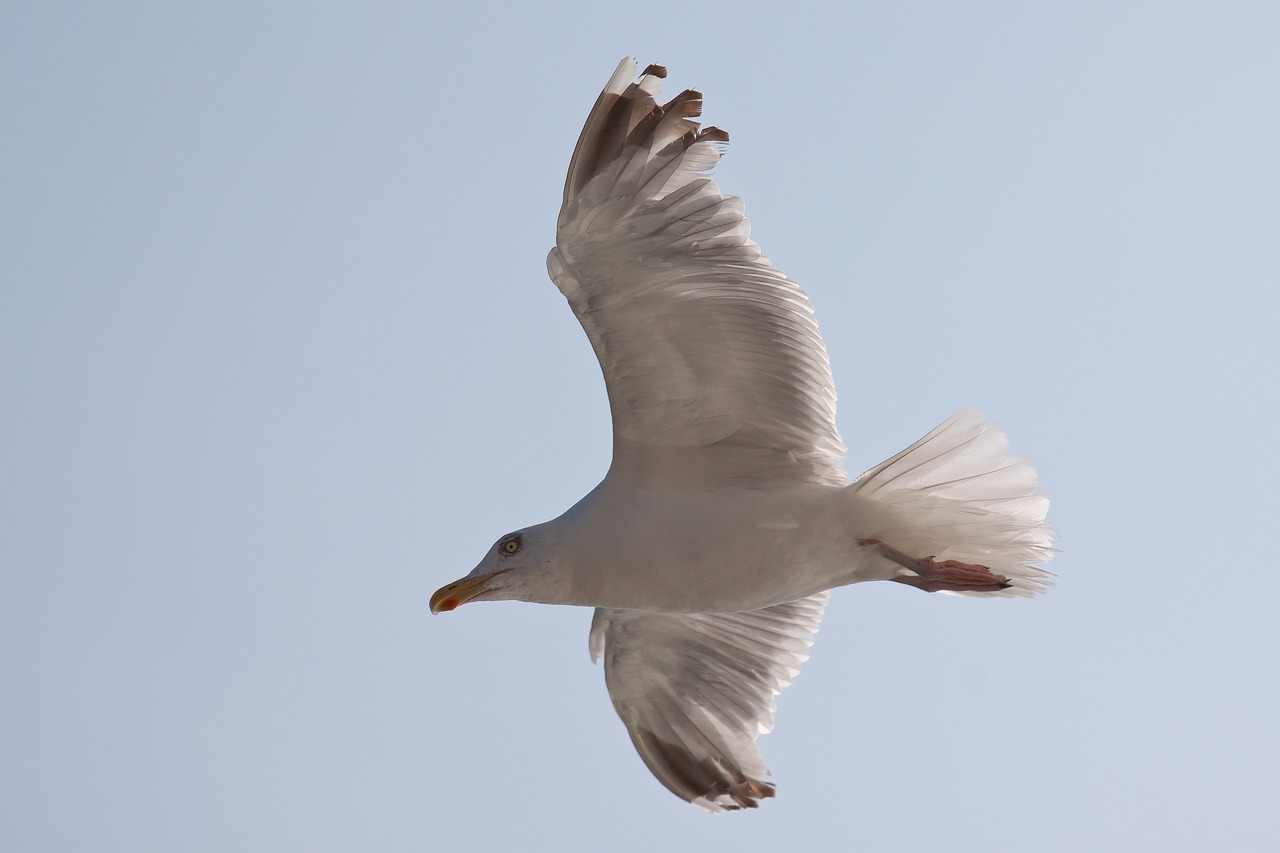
[510, 546]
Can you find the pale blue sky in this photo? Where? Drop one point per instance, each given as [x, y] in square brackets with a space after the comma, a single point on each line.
[279, 357]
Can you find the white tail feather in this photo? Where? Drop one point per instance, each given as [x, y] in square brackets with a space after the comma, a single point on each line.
[957, 494]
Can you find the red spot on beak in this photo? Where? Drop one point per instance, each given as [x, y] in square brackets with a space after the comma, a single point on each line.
[447, 604]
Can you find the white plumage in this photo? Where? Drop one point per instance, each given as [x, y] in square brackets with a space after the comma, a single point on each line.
[726, 514]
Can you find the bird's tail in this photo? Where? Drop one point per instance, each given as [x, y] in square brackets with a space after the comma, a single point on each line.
[957, 494]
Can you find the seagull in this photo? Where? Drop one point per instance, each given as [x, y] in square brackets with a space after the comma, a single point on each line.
[726, 517]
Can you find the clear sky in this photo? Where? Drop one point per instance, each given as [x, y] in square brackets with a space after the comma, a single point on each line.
[278, 357]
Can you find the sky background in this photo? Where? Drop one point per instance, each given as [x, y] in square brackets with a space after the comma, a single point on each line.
[279, 357]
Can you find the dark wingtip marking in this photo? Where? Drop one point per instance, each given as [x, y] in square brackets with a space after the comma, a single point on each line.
[688, 102]
[690, 779]
[631, 117]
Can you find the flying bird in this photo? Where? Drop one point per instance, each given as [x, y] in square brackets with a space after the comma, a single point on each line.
[726, 516]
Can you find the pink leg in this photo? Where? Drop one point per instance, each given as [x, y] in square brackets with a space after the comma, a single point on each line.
[934, 576]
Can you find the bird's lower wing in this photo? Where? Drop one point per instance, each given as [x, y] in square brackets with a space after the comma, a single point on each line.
[696, 689]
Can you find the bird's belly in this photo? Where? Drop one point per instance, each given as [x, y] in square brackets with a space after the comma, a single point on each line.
[722, 551]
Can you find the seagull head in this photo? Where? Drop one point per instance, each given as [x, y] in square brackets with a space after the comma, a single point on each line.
[521, 565]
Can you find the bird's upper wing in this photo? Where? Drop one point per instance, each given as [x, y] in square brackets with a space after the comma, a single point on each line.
[695, 689]
[712, 358]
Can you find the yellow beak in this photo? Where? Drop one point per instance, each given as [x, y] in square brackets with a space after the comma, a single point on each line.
[450, 596]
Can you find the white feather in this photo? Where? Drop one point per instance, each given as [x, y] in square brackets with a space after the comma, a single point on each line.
[958, 494]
